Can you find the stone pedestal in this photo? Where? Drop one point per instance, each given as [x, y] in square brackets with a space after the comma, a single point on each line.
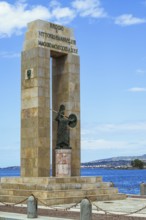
[63, 162]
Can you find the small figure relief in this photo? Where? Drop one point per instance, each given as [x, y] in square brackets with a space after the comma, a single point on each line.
[63, 131]
[28, 74]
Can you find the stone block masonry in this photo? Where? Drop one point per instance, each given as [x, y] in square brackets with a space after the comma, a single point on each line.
[36, 98]
[35, 116]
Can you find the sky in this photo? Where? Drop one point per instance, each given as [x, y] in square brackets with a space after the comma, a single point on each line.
[111, 40]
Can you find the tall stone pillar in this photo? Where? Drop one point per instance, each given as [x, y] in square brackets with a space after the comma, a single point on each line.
[35, 113]
[66, 91]
[42, 41]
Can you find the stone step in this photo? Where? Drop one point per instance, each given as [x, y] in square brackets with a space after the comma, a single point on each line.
[58, 193]
[59, 200]
[57, 186]
[54, 191]
[50, 180]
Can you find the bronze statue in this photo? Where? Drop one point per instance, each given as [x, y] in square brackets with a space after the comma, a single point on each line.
[64, 122]
[28, 74]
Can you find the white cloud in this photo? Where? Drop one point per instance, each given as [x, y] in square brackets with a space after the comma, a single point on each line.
[21, 1]
[59, 14]
[103, 144]
[63, 15]
[124, 128]
[90, 8]
[54, 3]
[140, 72]
[5, 54]
[122, 137]
[129, 19]
[137, 89]
[14, 17]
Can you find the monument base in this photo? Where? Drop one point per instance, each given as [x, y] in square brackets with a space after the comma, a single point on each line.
[63, 162]
[56, 190]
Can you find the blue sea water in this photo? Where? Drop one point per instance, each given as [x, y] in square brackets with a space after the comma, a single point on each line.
[127, 181]
[4, 172]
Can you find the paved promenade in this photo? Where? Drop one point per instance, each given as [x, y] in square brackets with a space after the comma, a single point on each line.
[130, 208]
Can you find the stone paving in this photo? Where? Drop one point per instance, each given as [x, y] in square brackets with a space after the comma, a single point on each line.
[127, 207]
[117, 209]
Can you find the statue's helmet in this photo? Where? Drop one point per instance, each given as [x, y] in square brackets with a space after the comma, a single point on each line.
[62, 108]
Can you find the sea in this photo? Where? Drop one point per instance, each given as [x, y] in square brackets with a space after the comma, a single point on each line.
[127, 181]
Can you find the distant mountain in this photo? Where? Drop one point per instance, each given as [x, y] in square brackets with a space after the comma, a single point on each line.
[10, 168]
[114, 162]
[109, 162]
[128, 158]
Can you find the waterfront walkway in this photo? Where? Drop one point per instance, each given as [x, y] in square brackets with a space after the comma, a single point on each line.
[130, 208]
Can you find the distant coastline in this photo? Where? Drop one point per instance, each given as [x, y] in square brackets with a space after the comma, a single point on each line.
[82, 167]
[11, 167]
[112, 168]
[123, 162]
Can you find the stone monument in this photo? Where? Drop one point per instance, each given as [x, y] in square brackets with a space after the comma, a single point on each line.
[48, 85]
[51, 81]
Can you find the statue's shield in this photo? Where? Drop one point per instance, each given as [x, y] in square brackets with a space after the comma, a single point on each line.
[72, 120]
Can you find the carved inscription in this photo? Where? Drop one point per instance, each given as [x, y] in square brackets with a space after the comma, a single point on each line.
[57, 47]
[65, 44]
[56, 37]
